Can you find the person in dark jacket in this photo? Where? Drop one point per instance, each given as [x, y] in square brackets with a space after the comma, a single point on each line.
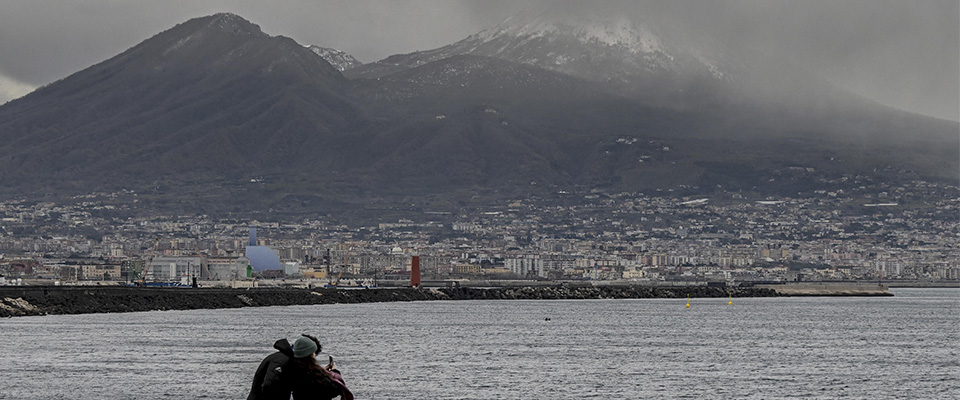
[268, 381]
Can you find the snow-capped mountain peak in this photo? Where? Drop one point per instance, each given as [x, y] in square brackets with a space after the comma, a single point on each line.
[620, 31]
[234, 24]
[629, 53]
[338, 59]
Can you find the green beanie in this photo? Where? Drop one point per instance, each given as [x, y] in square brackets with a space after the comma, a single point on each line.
[303, 347]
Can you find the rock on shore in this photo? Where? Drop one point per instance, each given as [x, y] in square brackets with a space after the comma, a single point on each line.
[27, 300]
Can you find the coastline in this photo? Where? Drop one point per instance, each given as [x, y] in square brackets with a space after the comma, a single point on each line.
[55, 300]
[829, 289]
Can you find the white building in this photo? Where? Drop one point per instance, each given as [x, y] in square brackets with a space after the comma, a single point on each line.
[228, 268]
[174, 268]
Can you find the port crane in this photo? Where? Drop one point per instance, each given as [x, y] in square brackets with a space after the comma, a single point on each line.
[343, 266]
[142, 274]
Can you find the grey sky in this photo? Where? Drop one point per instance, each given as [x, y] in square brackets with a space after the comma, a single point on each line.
[901, 53]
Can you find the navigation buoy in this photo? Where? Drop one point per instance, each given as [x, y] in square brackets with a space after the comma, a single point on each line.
[730, 303]
[688, 301]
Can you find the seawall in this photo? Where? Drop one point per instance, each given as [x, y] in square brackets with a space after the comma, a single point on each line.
[829, 289]
[36, 300]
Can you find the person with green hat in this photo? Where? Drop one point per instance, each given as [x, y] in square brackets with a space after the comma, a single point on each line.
[305, 346]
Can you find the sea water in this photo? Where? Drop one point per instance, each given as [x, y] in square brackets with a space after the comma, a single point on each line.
[907, 346]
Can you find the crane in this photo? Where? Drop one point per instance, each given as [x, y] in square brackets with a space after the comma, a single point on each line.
[142, 274]
[346, 261]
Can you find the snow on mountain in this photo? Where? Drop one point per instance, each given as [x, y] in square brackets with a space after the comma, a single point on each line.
[235, 24]
[627, 54]
[338, 59]
[615, 32]
[575, 46]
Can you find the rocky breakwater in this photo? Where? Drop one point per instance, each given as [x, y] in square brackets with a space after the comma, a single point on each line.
[830, 289]
[602, 292]
[20, 301]
[23, 301]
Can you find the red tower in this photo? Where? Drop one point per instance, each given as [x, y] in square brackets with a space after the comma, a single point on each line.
[415, 271]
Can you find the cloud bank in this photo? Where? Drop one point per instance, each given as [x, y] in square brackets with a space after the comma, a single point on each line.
[11, 89]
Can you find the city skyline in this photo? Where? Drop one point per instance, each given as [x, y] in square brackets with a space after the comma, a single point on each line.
[875, 233]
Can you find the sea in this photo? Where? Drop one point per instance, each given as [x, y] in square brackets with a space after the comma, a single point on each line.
[901, 347]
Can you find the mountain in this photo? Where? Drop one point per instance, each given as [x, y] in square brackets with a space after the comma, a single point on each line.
[338, 59]
[634, 56]
[621, 54]
[214, 116]
[724, 93]
[211, 97]
[473, 120]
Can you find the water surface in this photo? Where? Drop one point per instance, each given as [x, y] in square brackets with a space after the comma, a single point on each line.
[907, 346]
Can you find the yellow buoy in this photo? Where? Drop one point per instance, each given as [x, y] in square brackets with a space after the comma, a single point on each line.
[730, 303]
[688, 301]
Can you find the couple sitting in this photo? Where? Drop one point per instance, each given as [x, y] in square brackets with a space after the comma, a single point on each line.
[294, 369]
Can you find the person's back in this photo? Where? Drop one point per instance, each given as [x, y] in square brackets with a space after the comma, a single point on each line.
[270, 381]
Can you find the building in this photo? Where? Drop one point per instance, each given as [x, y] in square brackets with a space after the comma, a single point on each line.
[529, 265]
[228, 268]
[100, 272]
[174, 268]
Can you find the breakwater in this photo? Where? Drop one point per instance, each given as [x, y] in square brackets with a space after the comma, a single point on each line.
[830, 289]
[30, 300]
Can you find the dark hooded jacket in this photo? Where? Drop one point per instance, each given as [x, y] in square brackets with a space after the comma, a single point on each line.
[269, 383]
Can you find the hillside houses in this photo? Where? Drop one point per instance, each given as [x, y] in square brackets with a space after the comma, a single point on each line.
[656, 237]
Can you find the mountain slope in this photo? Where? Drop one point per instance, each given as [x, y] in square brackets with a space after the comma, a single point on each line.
[214, 95]
[724, 95]
[468, 120]
[471, 119]
[338, 59]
